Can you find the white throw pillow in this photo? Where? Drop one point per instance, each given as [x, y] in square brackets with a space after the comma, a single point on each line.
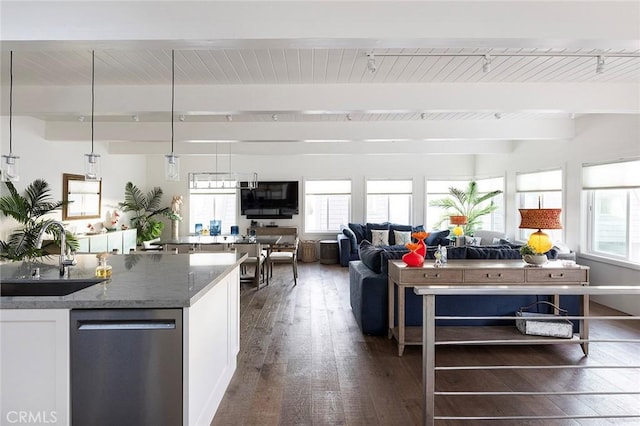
[472, 241]
[380, 237]
[402, 237]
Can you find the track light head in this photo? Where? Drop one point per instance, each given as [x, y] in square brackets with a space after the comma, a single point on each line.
[371, 63]
[486, 64]
[600, 64]
[498, 115]
[135, 118]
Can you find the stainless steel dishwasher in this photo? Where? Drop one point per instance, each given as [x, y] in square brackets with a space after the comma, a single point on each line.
[126, 367]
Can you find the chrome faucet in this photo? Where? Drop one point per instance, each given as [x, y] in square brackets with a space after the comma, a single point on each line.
[63, 244]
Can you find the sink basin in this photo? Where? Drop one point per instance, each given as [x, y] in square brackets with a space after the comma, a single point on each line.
[45, 287]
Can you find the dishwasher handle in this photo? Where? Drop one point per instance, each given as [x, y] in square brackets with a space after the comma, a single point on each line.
[127, 325]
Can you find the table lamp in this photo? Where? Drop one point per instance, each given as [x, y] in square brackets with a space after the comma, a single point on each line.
[458, 230]
[540, 219]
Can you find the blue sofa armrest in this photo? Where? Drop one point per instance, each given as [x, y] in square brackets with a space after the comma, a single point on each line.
[345, 251]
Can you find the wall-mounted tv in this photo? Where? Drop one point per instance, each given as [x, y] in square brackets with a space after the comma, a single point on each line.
[270, 200]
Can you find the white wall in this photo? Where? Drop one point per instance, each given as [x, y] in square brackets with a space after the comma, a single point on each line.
[42, 159]
[598, 138]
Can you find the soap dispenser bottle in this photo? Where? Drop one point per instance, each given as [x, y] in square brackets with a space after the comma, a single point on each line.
[103, 270]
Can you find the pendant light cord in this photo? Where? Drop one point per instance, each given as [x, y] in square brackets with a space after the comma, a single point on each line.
[173, 83]
[93, 77]
[10, 101]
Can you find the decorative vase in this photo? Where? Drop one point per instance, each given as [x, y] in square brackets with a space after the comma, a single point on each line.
[422, 249]
[535, 259]
[413, 259]
[174, 229]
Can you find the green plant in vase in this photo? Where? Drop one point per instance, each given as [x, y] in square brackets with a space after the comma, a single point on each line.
[29, 209]
[531, 256]
[145, 211]
[469, 203]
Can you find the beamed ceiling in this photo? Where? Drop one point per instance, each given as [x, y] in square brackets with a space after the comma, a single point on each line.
[270, 72]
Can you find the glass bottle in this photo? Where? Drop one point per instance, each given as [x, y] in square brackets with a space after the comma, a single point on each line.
[103, 270]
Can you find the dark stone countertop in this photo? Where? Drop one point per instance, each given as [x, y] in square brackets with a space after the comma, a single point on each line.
[149, 280]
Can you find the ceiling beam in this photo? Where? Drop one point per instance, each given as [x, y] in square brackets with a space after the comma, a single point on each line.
[579, 98]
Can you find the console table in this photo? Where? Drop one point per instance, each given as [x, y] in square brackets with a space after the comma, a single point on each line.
[478, 273]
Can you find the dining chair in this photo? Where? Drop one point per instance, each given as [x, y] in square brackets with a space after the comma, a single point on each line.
[284, 253]
[256, 259]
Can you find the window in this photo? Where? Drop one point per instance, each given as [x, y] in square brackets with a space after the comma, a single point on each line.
[539, 189]
[389, 201]
[612, 194]
[210, 199]
[438, 189]
[327, 205]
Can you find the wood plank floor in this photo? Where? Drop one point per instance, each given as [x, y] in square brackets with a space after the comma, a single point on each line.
[303, 361]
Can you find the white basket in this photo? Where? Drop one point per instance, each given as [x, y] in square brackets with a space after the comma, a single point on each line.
[548, 325]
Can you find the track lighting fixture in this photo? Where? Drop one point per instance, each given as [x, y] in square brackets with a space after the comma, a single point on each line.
[371, 63]
[486, 64]
[172, 165]
[600, 64]
[349, 118]
[488, 57]
[274, 117]
[91, 165]
[181, 117]
[229, 117]
[135, 118]
[9, 166]
[81, 118]
[498, 115]
[423, 116]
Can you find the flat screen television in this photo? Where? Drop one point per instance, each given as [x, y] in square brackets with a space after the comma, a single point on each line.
[270, 200]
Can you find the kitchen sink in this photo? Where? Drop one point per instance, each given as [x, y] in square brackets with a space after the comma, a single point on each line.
[45, 287]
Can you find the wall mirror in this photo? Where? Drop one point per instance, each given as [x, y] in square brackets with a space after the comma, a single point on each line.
[84, 197]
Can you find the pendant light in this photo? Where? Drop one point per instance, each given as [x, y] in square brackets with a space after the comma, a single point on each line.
[91, 165]
[9, 165]
[172, 165]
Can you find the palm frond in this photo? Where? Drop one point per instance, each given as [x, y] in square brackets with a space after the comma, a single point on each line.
[154, 197]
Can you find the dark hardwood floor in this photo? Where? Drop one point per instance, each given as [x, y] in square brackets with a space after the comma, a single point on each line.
[303, 361]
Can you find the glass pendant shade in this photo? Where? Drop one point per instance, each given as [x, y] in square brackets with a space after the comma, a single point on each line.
[91, 166]
[172, 167]
[10, 168]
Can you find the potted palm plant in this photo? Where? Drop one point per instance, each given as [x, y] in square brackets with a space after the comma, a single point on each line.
[469, 203]
[29, 209]
[145, 211]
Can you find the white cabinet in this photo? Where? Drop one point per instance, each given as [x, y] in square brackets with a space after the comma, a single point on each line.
[211, 344]
[123, 241]
[35, 366]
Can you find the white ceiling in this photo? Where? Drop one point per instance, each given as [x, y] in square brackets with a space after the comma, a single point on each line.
[251, 66]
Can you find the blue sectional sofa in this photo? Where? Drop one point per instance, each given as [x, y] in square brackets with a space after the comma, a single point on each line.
[351, 236]
[368, 286]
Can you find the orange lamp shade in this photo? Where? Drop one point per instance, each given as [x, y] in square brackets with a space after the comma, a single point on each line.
[458, 220]
[540, 219]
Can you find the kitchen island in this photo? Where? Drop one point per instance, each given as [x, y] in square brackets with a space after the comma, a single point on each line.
[40, 367]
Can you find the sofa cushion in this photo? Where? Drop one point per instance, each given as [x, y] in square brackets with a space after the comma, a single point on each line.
[481, 252]
[353, 240]
[400, 238]
[370, 226]
[359, 230]
[370, 256]
[400, 228]
[380, 237]
[437, 237]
